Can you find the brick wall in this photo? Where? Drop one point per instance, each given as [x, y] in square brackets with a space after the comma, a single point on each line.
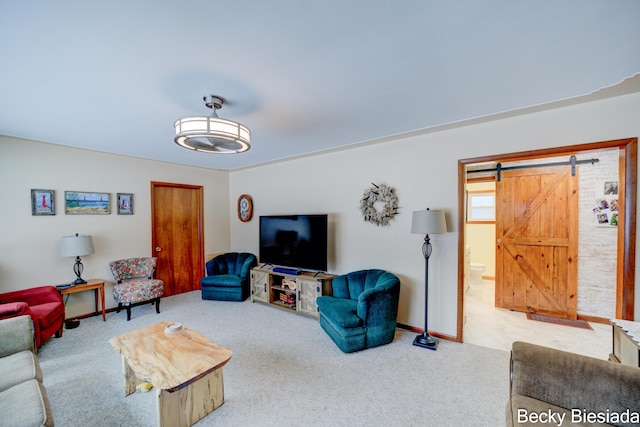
[597, 243]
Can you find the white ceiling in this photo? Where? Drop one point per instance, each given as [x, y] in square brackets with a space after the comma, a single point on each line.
[304, 76]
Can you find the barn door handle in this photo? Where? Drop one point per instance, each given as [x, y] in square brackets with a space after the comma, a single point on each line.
[158, 248]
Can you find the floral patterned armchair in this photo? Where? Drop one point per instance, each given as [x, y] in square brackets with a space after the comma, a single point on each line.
[135, 283]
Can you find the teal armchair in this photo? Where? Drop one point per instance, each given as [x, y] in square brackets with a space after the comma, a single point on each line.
[362, 311]
[227, 277]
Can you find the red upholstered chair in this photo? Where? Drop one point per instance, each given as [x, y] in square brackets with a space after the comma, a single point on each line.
[45, 306]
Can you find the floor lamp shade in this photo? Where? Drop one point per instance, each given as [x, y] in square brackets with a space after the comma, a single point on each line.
[427, 222]
[76, 246]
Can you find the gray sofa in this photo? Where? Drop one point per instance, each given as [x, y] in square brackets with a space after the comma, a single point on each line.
[23, 399]
[553, 387]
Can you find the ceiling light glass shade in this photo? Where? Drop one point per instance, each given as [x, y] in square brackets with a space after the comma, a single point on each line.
[212, 134]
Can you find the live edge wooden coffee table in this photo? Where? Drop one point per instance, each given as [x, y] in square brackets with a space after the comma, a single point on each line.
[184, 367]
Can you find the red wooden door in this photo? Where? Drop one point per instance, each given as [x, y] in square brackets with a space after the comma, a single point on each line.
[177, 235]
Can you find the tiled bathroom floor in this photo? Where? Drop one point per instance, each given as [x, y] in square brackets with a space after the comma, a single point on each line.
[497, 328]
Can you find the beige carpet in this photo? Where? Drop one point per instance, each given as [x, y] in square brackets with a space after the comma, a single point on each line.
[284, 371]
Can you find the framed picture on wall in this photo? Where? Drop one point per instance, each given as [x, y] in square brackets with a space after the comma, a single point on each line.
[43, 202]
[84, 203]
[125, 204]
[610, 188]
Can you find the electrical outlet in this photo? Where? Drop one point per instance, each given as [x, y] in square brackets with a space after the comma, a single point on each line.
[591, 295]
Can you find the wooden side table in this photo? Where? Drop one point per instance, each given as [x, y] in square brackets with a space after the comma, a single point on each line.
[96, 285]
[626, 342]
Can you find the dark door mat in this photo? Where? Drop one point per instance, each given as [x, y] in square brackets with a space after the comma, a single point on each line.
[583, 324]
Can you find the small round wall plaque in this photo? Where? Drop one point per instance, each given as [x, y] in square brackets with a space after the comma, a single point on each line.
[245, 208]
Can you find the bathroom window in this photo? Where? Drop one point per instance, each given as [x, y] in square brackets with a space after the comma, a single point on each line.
[481, 206]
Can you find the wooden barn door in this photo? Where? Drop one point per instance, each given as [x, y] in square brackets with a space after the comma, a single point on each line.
[537, 241]
[177, 235]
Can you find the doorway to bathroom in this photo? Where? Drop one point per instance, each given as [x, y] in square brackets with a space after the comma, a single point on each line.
[480, 230]
[618, 241]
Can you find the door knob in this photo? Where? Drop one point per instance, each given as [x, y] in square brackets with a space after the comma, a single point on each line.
[158, 248]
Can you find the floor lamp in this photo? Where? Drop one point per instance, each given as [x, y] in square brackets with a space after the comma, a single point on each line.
[427, 222]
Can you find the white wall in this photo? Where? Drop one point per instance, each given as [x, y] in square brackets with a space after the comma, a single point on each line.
[29, 245]
[423, 170]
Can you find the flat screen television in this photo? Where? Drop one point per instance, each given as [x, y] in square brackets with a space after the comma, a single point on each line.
[295, 241]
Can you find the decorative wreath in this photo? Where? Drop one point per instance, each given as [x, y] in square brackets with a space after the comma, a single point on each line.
[382, 193]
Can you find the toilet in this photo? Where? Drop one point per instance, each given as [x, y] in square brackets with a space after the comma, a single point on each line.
[476, 269]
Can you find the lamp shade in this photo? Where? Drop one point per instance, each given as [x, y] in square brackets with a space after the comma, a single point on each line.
[74, 246]
[428, 222]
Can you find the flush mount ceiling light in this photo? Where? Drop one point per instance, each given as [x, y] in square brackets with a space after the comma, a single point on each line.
[212, 134]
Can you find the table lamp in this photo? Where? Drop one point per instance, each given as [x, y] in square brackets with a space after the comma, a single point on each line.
[427, 222]
[76, 246]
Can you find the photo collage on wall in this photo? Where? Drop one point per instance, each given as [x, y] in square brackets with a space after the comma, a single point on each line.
[606, 206]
